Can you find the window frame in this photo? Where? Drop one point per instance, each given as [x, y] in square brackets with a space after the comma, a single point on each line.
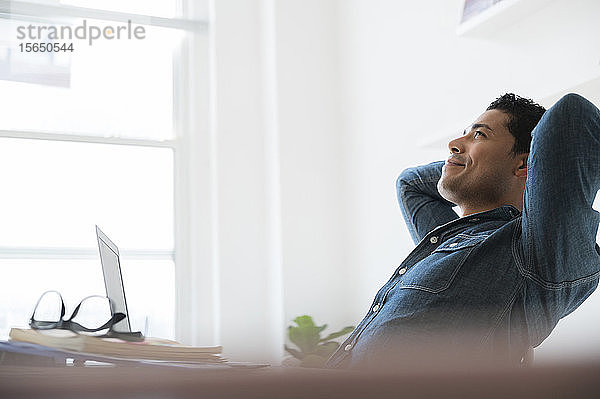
[191, 144]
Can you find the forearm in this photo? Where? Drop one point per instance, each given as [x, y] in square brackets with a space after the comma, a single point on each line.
[421, 204]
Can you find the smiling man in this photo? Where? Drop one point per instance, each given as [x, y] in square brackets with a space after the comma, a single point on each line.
[489, 285]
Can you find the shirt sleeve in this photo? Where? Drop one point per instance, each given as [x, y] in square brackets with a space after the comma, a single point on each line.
[421, 204]
[559, 226]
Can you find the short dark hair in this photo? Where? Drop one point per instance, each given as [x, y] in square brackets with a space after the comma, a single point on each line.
[523, 116]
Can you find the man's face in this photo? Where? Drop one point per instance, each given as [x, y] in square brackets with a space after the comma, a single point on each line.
[480, 170]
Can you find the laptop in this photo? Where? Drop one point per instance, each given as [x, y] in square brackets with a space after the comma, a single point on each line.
[113, 281]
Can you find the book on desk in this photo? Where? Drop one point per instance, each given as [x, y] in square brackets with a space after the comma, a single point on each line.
[149, 349]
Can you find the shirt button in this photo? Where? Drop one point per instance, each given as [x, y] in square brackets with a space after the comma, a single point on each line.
[402, 271]
[348, 347]
[433, 239]
[375, 308]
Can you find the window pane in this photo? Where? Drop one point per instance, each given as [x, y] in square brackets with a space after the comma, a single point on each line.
[150, 293]
[55, 192]
[149, 289]
[161, 8]
[119, 87]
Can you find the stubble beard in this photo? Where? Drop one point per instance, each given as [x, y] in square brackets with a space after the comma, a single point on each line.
[470, 193]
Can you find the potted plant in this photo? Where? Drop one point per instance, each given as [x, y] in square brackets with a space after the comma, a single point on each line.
[313, 351]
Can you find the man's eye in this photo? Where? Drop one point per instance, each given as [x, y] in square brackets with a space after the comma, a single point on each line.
[478, 133]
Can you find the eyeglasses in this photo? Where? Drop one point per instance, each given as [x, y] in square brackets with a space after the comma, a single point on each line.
[92, 314]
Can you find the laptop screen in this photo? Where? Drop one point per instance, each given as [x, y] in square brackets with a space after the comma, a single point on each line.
[113, 280]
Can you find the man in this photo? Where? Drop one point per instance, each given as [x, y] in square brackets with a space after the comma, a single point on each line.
[494, 282]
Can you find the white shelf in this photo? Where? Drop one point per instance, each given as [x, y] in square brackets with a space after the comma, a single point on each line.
[498, 16]
[440, 139]
[589, 88]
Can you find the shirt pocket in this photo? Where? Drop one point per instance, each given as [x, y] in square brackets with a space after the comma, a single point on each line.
[436, 272]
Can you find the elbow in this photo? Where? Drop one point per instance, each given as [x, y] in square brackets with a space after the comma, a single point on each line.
[419, 176]
[404, 187]
[405, 178]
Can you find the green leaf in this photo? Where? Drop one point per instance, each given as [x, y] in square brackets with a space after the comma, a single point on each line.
[294, 352]
[306, 336]
[343, 331]
[304, 321]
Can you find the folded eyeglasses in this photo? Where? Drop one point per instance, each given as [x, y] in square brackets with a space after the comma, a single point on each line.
[93, 314]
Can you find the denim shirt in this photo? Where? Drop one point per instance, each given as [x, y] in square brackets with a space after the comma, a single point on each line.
[504, 276]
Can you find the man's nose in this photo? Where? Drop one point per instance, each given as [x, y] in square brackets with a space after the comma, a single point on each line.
[456, 146]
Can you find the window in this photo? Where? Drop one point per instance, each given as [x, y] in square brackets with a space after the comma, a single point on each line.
[89, 135]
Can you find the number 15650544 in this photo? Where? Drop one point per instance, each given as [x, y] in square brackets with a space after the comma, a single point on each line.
[45, 47]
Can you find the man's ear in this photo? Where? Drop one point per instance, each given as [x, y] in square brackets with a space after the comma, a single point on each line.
[521, 170]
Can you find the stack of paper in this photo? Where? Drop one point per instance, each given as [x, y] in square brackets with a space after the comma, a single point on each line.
[150, 348]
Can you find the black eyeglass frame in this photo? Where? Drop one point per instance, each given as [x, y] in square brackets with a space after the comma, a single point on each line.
[69, 324]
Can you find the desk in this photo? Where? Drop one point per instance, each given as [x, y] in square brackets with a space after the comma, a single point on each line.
[558, 381]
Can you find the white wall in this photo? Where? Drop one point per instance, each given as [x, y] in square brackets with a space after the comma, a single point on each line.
[311, 149]
[248, 256]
